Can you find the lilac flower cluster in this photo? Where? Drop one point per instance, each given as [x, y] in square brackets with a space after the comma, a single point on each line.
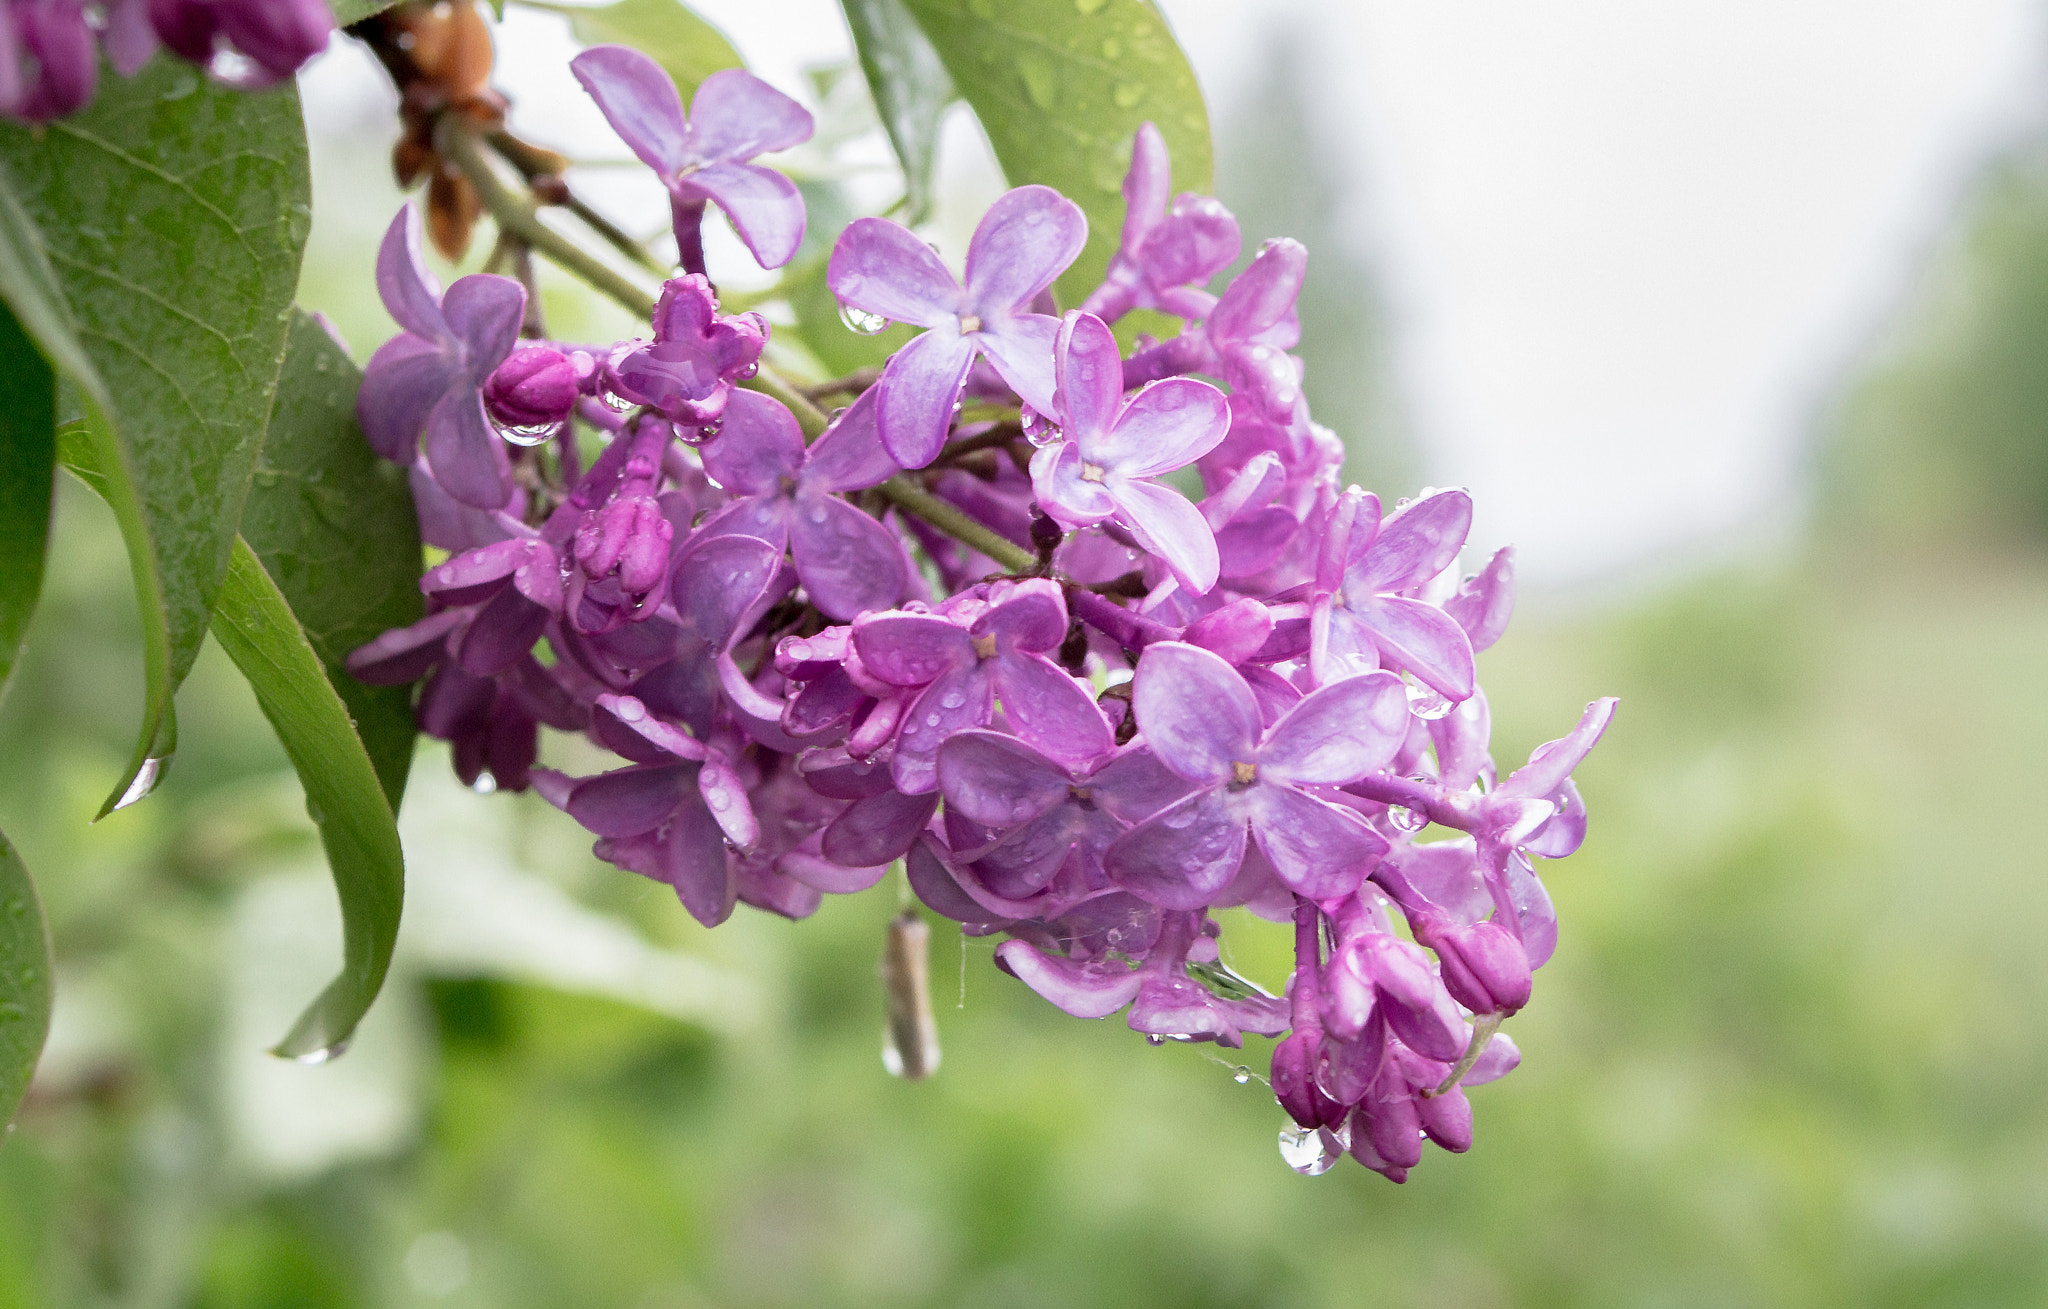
[979, 627]
[50, 49]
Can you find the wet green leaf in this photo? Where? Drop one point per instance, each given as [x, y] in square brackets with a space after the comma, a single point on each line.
[911, 90]
[24, 980]
[667, 31]
[334, 527]
[173, 213]
[355, 11]
[260, 633]
[28, 453]
[1061, 87]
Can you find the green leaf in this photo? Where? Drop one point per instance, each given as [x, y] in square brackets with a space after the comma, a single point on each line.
[29, 286]
[28, 468]
[334, 527]
[262, 635]
[910, 87]
[174, 212]
[24, 980]
[1062, 86]
[355, 11]
[668, 31]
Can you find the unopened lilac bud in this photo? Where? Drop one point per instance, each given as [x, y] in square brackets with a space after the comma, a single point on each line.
[629, 535]
[276, 36]
[536, 386]
[1484, 966]
[52, 59]
[1447, 1120]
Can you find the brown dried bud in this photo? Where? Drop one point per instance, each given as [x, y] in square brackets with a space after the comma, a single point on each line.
[452, 210]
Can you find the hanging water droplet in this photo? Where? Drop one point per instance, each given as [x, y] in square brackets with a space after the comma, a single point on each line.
[539, 434]
[630, 710]
[146, 778]
[1407, 820]
[709, 430]
[484, 784]
[1240, 1074]
[861, 321]
[324, 1055]
[750, 370]
[1154, 1038]
[617, 403]
[1424, 702]
[1306, 1151]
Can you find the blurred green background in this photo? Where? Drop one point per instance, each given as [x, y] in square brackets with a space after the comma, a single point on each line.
[1787, 1053]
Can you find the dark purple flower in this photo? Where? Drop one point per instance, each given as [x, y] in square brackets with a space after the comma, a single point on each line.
[1027, 238]
[537, 386]
[696, 357]
[1167, 255]
[49, 61]
[1360, 621]
[963, 663]
[248, 43]
[1201, 719]
[733, 117]
[848, 562]
[1109, 450]
[430, 378]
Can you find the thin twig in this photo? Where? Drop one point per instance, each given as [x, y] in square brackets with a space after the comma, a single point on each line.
[906, 494]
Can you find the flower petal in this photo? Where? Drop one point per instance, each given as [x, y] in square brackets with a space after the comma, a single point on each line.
[1051, 710]
[1062, 491]
[405, 379]
[849, 456]
[735, 115]
[848, 562]
[960, 698]
[878, 829]
[484, 312]
[464, 451]
[910, 649]
[919, 387]
[1168, 526]
[725, 795]
[640, 102]
[1338, 734]
[1424, 640]
[717, 580]
[1551, 763]
[1090, 373]
[1167, 425]
[758, 444]
[403, 282]
[1196, 713]
[1021, 349]
[1263, 294]
[630, 801]
[1317, 849]
[1095, 989]
[1414, 544]
[997, 780]
[1182, 856]
[879, 266]
[1027, 238]
[1484, 604]
[764, 207]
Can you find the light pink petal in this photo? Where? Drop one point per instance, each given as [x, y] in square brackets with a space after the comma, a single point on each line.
[1135, 785]
[849, 456]
[1195, 711]
[1263, 294]
[1551, 763]
[848, 562]
[1167, 525]
[1235, 632]
[1340, 644]
[1461, 737]
[824, 875]
[1147, 186]
[1414, 544]
[919, 387]
[997, 780]
[1031, 615]
[1095, 989]
[1339, 733]
[1167, 425]
[726, 797]
[1025, 240]
[735, 115]
[763, 206]
[1183, 856]
[407, 288]
[638, 100]
[718, 580]
[758, 444]
[1317, 849]
[879, 266]
[1059, 487]
[1484, 604]
[1050, 709]
[1500, 1058]
[1090, 372]
[1424, 640]
[1255, 542]
[1021, 349]
[910, 649]
[1565, 831]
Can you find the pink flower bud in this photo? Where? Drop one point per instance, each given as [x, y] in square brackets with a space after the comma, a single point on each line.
[536, 386]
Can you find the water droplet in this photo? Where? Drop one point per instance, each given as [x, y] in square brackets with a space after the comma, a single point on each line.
[17, 907]
[540, 434]
[861, 321]
[720, 801]
[146, 778]
[1424, 702]
[952, 700]
[1127, 94]
[631, 710]
[1154, 1038]
[1112, 48]
[1240, 1074]
[11, 1012]
[617, 403]
[324, 1055]
[1407, 820]
[1306, 1151]
[931, 720]
[315, 812]
[709, 430]
[1039, 82]
[750, 370]
[484, 784]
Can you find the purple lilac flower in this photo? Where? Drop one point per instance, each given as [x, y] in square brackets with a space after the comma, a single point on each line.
[1167, 255]
[697, 355]
[848, 562]
[249, 43]
[537, 386]
[1027, 238]
[49, 61]
[1245, 339]
[1201, 719]
[733, 117]
[1109, 450]
[430, 377]
[1362, 622]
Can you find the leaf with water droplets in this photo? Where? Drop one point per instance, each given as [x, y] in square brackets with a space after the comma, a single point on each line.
[169, 217]
[24, 980]
[1061, 87]
[257, 628]
[910, 87]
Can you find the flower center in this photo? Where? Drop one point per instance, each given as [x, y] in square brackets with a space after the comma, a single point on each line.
[1243, 774]
[969, 323]
[985, 646]
[1092, 472]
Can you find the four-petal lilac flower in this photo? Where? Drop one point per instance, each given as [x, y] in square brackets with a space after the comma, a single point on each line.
[1166, 255]
[733, 117]
[1360, 621]
[1027, 238]
[1110, 449]
[430, 377]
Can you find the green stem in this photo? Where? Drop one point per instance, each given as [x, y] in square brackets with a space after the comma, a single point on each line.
[518, 215]
[907, 495]
[809, 417]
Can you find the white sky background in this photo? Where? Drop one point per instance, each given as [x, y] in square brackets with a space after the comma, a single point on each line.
[1626, 246]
